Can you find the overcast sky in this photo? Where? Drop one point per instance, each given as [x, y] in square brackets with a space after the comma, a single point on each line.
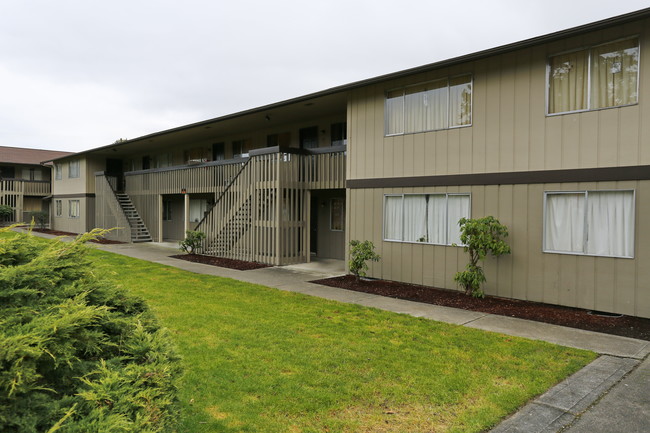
[80, 74]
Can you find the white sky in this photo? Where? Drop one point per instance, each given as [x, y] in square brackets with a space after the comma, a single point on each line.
[79, 74]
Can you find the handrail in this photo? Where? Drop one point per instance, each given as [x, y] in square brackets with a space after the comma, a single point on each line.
[110, 185]
[225, 190]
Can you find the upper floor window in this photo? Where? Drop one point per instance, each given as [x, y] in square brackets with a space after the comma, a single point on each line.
[440, 104]
[598, 77]
[339, 134]
[58, 172]
[73, 168]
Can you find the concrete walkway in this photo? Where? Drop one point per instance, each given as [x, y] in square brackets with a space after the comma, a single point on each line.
[611, 394]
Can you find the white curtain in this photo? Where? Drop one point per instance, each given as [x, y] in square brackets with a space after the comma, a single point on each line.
[568, 82]
[437, 98]
[437, 219]
[564, 225]
[394, 113]
[393, 218]
[457, 208]
[197, 209]
[415, 218]
[614, 72]
[415, 110]
[460, 101]
[610, 222]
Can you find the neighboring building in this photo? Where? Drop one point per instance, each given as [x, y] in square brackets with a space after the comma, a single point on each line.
[549, 135]
[24, 182]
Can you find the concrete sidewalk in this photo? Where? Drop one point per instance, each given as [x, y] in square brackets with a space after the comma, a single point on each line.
[621, 374]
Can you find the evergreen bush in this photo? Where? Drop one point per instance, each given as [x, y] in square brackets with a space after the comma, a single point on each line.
[77, 354]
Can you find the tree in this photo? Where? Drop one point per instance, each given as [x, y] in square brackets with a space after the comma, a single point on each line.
[480, 237]
[360, 253]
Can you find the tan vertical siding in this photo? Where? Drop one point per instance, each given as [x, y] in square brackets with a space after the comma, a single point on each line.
[510, 129]
[608, 284]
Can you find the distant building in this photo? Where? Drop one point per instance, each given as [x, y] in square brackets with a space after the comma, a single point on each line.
[24, 182]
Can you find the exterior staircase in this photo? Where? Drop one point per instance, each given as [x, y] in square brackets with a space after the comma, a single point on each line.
[139, 231]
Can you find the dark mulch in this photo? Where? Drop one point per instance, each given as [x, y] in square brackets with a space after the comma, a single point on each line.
[61, 233]
[239, 265]
[626, 326]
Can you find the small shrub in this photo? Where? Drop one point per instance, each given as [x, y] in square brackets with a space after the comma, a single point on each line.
[77, 354]
[360, 253]
[192, 242]
[41, 218]
[480, 236]
[6, 212]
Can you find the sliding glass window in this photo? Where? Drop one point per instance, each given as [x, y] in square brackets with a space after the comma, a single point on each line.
[440, 104]
[598, 77]
[425, 218]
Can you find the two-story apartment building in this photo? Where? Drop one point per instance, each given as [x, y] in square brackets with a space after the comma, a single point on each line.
[24, 182]
[549, 135]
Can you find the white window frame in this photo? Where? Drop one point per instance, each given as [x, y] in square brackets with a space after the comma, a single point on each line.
[58, 208]
[58, 171]
[71, 214]
[404, 89]
[589, 50]
[585, 226]
[447, 195]
[77, 172]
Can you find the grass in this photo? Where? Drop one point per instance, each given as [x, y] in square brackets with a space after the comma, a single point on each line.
[262, 360]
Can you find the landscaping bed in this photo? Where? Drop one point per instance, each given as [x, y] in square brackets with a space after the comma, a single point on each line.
[626, 326]
[62, 233]
[239, 265]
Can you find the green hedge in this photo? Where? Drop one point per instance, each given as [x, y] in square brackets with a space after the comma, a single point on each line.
[77, 354]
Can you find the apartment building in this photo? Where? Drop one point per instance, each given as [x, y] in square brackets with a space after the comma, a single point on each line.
[549, 135]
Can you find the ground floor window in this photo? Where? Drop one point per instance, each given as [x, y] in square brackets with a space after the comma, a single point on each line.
[73, 208]
[598, 223]
[426, 218]
[58, 208]
[198, 207]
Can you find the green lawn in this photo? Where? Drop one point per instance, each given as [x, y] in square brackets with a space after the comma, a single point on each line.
[262, 360]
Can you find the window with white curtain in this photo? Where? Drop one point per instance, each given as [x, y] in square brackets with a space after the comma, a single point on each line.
[198, 207]
[73, 208]
[596, 223]
[425, 218]
[598, 77]
[73, 168]
[439, 104]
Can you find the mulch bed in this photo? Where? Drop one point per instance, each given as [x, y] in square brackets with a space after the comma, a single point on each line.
[626, 326]
[239, 265]
[61, 233]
